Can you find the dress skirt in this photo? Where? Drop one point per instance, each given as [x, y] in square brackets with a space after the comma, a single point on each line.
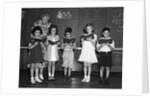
[88, 53]
[36, 55]
[68, 58]
[52, 53]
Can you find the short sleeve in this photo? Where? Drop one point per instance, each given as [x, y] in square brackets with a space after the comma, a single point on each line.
[95, 38]
[113, 44]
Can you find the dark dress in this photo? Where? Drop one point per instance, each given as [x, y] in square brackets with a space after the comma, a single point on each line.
[36, 55]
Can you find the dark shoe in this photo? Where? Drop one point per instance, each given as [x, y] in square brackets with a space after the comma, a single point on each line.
[101, 81]
[106, 82]
[68, 78]
[65, 78]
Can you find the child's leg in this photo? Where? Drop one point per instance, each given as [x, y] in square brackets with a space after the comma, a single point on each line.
[41, 71]
[53, 69]
[89, 73]
[101, 72]
[107, 75]
[37, 73]
[65, 72]
[69, 72]
[85, 72]
[32, 69]
[49, 69]
[107, 72]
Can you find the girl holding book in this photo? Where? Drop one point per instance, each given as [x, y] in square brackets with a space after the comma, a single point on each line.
[52, 50]
[44, 23]
[68, 54]
[105, 46]
[88, 55]
[36, 55]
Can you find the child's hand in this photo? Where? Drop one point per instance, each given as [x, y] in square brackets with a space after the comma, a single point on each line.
[107, 44]
[103, 44]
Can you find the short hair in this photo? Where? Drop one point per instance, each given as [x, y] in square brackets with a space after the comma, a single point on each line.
[36, 28]
[105, 29]
[89, 24]
[67, 30]
[53, 26]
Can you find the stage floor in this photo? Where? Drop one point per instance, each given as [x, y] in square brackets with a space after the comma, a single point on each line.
[115, 81]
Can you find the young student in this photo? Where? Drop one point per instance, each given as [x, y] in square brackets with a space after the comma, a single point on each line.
[44, 23]
[36, 55]
[52, 50]
[105, 46]
[88, 55]
[68, 53]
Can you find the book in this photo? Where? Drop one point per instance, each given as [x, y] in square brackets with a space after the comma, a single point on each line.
[66, 40]
[52, 42]
[85, 37]
[100, 41]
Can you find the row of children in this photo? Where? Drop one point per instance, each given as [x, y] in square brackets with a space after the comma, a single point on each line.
[45, 40]
[49, 46]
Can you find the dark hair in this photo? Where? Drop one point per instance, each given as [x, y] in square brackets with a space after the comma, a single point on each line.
[36, 28]
[53, 26]
[105, 29]
[89, 24]
[67, 30]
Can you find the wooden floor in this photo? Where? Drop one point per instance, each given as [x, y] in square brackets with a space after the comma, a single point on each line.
[115, 81]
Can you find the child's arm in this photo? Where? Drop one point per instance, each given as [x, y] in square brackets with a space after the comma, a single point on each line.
[99, 46]
[112, 45]
[63, 45]
[74, 46]
[32, 46]
[47, 41]
[82, 39]
[59, 41]
[93, 41]
[42, 45]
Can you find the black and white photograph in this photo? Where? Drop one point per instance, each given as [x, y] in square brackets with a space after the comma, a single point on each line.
[79, 47]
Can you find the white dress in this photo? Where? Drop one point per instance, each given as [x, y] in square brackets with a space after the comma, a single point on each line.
[52, 50]
[88, 53]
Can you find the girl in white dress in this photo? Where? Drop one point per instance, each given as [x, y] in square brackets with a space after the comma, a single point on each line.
[88, 54]
[52, 50]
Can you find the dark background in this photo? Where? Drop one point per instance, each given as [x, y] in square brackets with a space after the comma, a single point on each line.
[111, 17]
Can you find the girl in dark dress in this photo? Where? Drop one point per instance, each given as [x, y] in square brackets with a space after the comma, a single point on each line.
[36, 55]
[105, 46]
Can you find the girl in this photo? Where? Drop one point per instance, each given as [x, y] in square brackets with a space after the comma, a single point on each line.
[105, 47]
[44, 23]
[52, 50]
[35, 57]
[68, 54]
[88, 55]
